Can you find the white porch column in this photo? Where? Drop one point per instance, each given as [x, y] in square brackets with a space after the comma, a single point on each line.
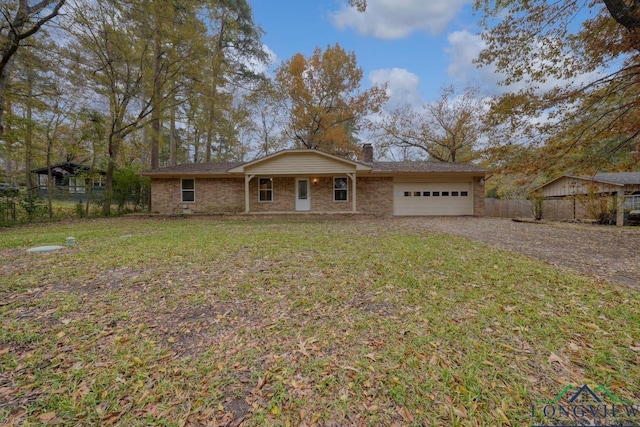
[620, 209]
[247, 199]
[353, 191]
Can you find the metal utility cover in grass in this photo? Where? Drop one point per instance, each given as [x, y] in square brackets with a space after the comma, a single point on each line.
[39, 249]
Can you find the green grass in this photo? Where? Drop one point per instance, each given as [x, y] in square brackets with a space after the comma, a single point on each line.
[296, 322]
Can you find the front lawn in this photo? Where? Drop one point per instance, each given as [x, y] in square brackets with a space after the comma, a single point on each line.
[297, 322]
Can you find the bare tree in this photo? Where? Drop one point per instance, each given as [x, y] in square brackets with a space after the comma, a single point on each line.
[448, 130]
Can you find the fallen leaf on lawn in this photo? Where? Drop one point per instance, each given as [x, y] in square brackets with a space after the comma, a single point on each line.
[554, 358]
[275, 410]
[46, 417]
[261, 382]
[573, 346]
[503, 416]
[460, 412]
[634, 348]
[405, 414]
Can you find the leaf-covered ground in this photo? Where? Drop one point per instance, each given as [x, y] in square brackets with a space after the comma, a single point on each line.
[601, 251]
[296, 322]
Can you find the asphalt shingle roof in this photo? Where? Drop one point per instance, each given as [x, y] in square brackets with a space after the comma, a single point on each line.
[622, 178]
[424, 167]
[196, 168]
[377, 167]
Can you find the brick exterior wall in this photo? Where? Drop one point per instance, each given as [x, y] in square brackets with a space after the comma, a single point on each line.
[226, 195]
[375, 196]
[283, 199]
[212, 196]
[478, 197]
[322, 196]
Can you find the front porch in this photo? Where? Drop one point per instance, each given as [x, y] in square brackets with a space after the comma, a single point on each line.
[273, 194]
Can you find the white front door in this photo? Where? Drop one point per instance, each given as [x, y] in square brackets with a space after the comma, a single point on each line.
[303, 202]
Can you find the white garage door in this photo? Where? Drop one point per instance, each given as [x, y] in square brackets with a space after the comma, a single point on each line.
[431, 198]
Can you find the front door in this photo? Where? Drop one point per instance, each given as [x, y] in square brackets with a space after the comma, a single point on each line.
[303, 202]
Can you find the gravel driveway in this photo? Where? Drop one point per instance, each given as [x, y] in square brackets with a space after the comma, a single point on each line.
[604, 252]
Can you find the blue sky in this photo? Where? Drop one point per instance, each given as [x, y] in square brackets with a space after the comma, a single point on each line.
[417, 46]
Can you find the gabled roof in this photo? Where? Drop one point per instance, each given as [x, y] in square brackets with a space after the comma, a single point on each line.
[358, 166]
[67, 168]
[378, 168]
[619, 179]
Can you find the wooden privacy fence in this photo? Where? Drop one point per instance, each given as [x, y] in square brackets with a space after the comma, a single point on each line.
[555, 210]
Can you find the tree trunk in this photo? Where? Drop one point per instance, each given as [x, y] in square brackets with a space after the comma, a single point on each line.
[114, 147]
[155, 101]
[5, 73]
[173, 147]
[28, 139]
[49, 177]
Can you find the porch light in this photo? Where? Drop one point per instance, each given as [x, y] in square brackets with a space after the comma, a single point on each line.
[314, 180]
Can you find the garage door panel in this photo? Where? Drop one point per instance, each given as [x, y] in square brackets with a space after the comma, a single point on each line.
[416, 198]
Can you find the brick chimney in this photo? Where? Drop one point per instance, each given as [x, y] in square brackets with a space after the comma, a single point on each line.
[367, 153]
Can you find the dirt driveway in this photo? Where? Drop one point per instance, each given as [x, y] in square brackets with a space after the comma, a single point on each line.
[604, 252]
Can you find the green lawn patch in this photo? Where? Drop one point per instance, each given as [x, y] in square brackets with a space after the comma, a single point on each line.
[297, 322]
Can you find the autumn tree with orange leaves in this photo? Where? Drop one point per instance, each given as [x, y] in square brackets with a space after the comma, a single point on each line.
[589, 119]
[323, 102]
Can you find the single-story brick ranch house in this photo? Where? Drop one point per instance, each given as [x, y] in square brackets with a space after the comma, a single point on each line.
[312, 181]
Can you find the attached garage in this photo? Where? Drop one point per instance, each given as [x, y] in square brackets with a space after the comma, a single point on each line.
[433, 198]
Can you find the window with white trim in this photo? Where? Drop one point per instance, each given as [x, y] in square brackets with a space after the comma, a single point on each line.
[265, 190]
[77, 185]
[340, 189]
[188, 189]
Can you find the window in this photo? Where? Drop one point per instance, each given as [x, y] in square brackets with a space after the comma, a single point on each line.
[416, 193]
[407, 194]
[43, 181]
[98, 181]
[188, 190]
[340, 189]
[76, 185]
[464, 193]
[426, 193]
[436, 194]
[265, 190]
[454, 193]
[445, 194]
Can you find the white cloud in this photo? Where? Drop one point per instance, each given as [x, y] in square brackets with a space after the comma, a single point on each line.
[259, 67]
[463, 49]
[403, 87]
[396, 19]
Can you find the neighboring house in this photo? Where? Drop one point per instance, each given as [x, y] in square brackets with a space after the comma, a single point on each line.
[71, 181]
[626, 184]
[313, 181]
